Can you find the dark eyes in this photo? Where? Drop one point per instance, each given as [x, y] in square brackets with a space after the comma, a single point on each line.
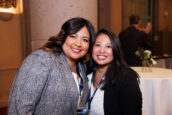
[98, 45]
[72, 36]
[109, 46]
[83, 39]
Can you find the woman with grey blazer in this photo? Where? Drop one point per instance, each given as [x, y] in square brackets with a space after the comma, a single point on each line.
[52, 80]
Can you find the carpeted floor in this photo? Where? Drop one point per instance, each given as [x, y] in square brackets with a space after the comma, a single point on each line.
[3, 111]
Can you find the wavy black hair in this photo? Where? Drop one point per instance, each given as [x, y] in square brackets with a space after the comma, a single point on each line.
[71, 26]
[115, 68]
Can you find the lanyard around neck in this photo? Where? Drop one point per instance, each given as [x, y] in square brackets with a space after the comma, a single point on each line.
[90, 98]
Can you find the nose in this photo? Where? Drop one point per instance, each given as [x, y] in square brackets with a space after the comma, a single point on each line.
[78, 41]
[102, 49]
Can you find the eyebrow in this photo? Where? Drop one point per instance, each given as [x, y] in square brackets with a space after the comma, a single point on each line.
[82, 36]
[101, 42]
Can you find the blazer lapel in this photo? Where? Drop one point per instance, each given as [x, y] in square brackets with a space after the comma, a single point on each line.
[70, 82]
[85, 89]
[71, 87]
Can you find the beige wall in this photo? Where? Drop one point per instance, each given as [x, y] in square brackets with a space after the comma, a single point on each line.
[48, 16]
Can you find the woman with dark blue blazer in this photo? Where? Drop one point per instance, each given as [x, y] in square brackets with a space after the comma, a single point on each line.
[114, 86]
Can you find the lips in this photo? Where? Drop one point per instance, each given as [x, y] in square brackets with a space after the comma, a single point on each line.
[75, 50]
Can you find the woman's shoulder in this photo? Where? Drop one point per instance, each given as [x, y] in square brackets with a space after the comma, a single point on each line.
[126, 77]
[40, 52]
[128, 73]
[127, 70]
[37, 56]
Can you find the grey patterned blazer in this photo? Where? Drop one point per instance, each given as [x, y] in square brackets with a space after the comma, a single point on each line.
[44, 85]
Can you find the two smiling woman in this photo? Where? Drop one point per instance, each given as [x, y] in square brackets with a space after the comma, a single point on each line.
[53, 81]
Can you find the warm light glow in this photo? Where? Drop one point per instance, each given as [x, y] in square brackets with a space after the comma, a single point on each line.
[7, 10]
[17, 10]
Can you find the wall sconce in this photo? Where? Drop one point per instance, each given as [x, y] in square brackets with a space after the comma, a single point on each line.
[5, 16]
[10, 7]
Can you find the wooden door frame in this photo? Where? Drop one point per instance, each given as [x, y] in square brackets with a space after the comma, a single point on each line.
[26, 29]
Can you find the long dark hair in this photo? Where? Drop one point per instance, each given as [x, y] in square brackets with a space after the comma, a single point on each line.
[71, 26]
[118, 61]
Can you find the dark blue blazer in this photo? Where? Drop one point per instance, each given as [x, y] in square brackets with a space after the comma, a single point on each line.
[123, 96]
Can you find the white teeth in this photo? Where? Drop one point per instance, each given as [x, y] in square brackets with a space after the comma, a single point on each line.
[76, 50]
[102, 57]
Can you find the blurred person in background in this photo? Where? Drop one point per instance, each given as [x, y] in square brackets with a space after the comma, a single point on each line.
[135, 37]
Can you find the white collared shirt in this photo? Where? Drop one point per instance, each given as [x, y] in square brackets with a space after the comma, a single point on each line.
[77, 81]
[98, 100]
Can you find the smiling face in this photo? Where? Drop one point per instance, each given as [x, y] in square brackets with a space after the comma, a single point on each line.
[76, 45]
[102, 50]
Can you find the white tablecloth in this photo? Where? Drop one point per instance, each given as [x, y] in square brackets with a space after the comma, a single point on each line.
[156, 87]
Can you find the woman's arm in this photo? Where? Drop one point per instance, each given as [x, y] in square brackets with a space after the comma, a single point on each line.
[131, 97]
[28, 84]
